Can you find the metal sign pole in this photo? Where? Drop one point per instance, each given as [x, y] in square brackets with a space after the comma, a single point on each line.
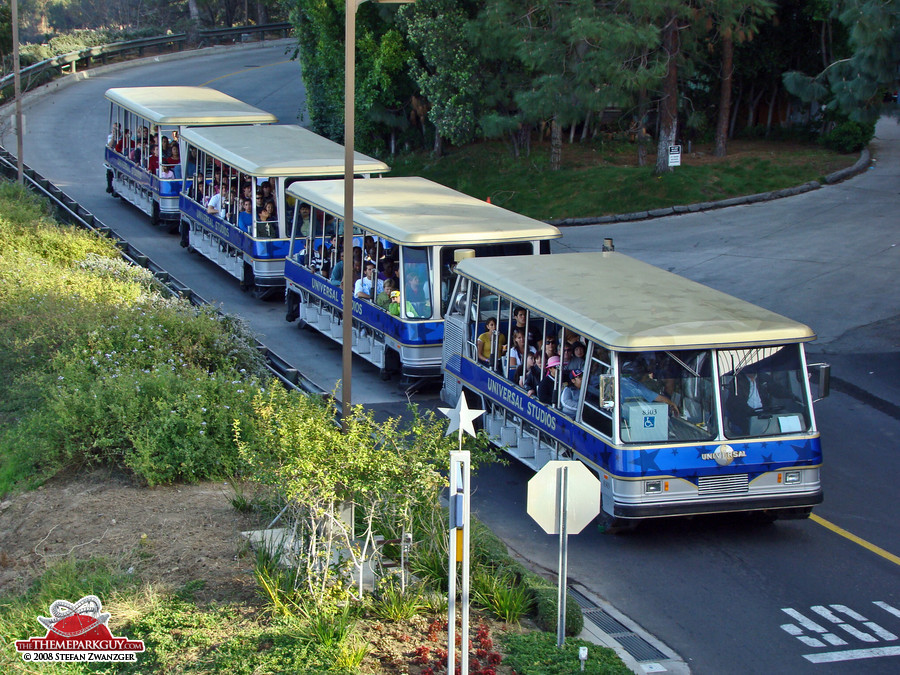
[459, 552]
[562, 477]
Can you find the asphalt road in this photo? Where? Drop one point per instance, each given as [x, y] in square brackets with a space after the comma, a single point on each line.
[726, 595]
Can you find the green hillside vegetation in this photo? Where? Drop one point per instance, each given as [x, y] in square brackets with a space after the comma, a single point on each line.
[602, 178]
[103, 368]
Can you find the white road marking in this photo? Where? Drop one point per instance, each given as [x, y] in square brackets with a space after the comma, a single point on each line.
[887, 608]
[808, 624]
[852, 654]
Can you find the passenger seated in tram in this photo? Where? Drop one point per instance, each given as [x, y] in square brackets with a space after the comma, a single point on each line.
[633, 383]
[394, 307]
[487, 340]
[165, 148]
[337, 272]
[368, 286]
[245, 217]
[389, 270]
[166, 173]
[520, 314]
[528, 376]
[517, 352]
[418, 304]
[383, 299]
[305, 222]
[174, 159]
[216, 206]
[578, 352]
[546, 389]
[569, 399]
[265, 192]
[153, 161]
[550, 350]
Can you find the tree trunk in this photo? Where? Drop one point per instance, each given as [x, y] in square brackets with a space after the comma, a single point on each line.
[438, 149]
[194, 25]
[735, 109]
[587, 124]
[555, 144]
[262, 13]
[668, 103]
[772, 101]
[754, 104]
[725, 94]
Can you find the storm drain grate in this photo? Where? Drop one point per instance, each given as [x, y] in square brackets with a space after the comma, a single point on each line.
[605, 622]
[639, 648]
[634, 644]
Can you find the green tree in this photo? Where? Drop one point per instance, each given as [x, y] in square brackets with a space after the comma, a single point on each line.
[445, 68]
[855, 85]
[381, 82]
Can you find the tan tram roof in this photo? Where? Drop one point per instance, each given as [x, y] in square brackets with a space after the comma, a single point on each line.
[418, 212]
[187, 105]
[629, 305]
[278, 150]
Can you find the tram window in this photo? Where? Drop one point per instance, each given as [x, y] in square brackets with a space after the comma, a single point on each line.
[667, 396]
[416, 275]
[599, 398]
[763, 391]
[448, 264]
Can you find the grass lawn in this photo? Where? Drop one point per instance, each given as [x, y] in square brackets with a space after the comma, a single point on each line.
[602, 177]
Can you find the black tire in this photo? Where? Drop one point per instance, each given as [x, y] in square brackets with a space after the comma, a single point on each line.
[608, 524]
[154, 218]
[247, 283]
[293, 306]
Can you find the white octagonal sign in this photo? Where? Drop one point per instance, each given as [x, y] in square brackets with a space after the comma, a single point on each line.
[583, 496]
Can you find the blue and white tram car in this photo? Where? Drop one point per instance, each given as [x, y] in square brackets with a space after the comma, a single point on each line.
[143, 154]
[682, 399]
[236, 209]
[408, 235]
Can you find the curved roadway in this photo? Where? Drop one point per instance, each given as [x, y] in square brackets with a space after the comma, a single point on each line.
[729, 597]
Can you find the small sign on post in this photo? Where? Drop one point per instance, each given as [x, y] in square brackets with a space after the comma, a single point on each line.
[674, 155]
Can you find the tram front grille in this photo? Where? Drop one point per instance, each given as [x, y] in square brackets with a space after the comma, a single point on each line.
[710, 485]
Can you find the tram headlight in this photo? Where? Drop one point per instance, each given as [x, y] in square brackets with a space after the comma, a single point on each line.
[652, 486]
[791, 477]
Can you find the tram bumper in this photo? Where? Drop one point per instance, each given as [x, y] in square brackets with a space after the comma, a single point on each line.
[787, 503]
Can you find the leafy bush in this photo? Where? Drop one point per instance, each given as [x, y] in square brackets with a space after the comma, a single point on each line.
[537, 654]
[849, 136]
[543, 595]
[99, 366]
[500, 595]
[394, 604]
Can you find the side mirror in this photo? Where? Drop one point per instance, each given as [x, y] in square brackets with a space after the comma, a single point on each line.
[820, 375]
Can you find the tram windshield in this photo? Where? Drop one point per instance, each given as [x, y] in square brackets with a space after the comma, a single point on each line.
[763, 391]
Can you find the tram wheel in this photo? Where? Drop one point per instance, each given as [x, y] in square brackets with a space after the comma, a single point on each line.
[385, 374]
[154, 217]
[608, 524]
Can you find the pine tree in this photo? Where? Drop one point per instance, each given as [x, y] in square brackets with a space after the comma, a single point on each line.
[855, 85]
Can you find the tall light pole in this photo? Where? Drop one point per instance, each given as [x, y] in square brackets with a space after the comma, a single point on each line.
[18, 90]
[349, 137]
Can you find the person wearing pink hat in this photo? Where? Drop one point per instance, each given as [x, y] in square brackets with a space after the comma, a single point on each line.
[546, 391]
[570, 395]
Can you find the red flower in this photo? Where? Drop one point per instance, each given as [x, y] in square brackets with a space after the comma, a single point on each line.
[494, 659]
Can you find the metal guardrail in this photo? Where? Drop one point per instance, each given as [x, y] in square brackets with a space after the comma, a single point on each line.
[65, 64]
[70, 211]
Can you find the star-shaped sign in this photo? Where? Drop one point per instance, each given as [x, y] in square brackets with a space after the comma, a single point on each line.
[461, 417]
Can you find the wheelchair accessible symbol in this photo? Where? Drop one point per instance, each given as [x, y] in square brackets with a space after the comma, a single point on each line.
[649, 421]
